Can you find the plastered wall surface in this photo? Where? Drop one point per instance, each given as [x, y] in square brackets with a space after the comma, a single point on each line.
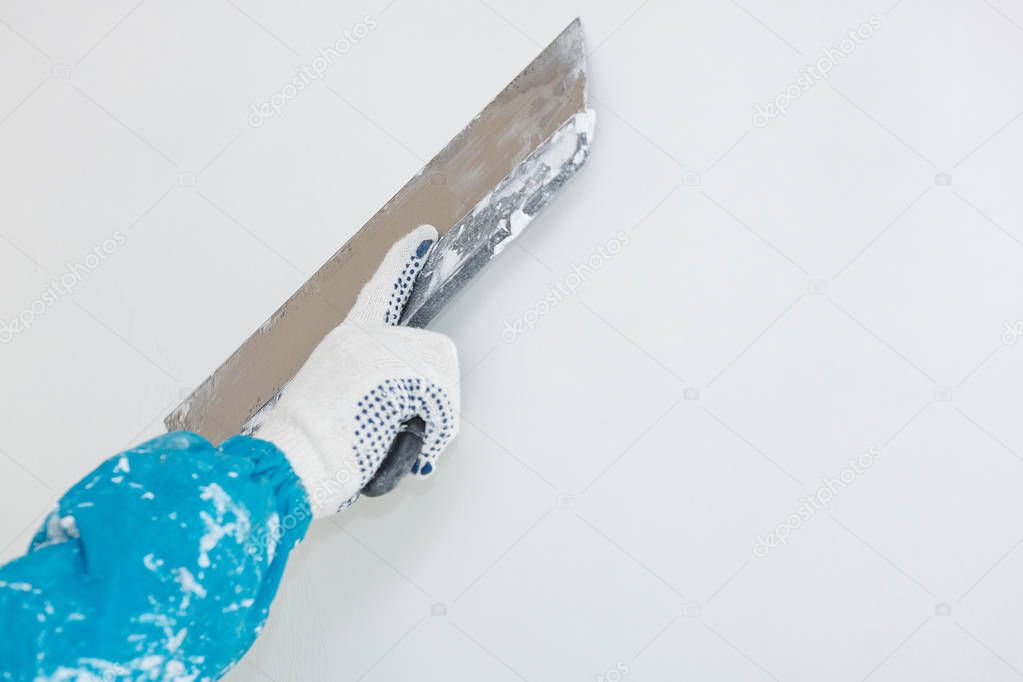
[797, 243]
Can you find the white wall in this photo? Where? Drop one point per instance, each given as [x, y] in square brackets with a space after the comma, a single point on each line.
[793, 292]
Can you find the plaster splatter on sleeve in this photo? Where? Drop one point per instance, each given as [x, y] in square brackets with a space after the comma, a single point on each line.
[159, 565]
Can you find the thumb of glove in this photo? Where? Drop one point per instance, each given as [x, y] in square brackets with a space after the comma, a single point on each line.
[383, 298]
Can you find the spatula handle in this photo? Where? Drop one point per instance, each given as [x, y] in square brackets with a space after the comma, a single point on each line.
[400, 458]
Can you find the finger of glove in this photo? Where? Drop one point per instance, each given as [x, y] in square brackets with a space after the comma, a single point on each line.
[440, 412]
[423, 363]
[383, 298]
[438, 400]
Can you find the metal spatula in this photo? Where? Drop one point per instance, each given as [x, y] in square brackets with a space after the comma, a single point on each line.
[480, 191]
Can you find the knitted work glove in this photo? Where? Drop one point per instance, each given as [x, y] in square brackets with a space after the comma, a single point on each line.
[337, 418]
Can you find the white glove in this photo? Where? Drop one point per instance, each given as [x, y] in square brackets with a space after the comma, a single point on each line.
[337, 418]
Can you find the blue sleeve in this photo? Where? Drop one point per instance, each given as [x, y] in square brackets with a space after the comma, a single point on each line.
[160, 564]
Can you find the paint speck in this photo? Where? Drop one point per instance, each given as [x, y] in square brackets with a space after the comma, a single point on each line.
[218, 524]
[20, 587]
[273, 530]
[174, 642]
[69, 526]
[189, 585]
[150, 662]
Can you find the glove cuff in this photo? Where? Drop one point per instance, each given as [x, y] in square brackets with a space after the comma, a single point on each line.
[328, 489]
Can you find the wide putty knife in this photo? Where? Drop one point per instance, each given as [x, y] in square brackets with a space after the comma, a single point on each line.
[480, 191]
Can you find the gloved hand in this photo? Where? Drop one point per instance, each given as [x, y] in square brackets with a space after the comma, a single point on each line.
[163, 562]
[336, 420]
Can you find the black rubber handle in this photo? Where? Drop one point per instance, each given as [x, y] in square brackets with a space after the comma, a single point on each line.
[400, 458]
